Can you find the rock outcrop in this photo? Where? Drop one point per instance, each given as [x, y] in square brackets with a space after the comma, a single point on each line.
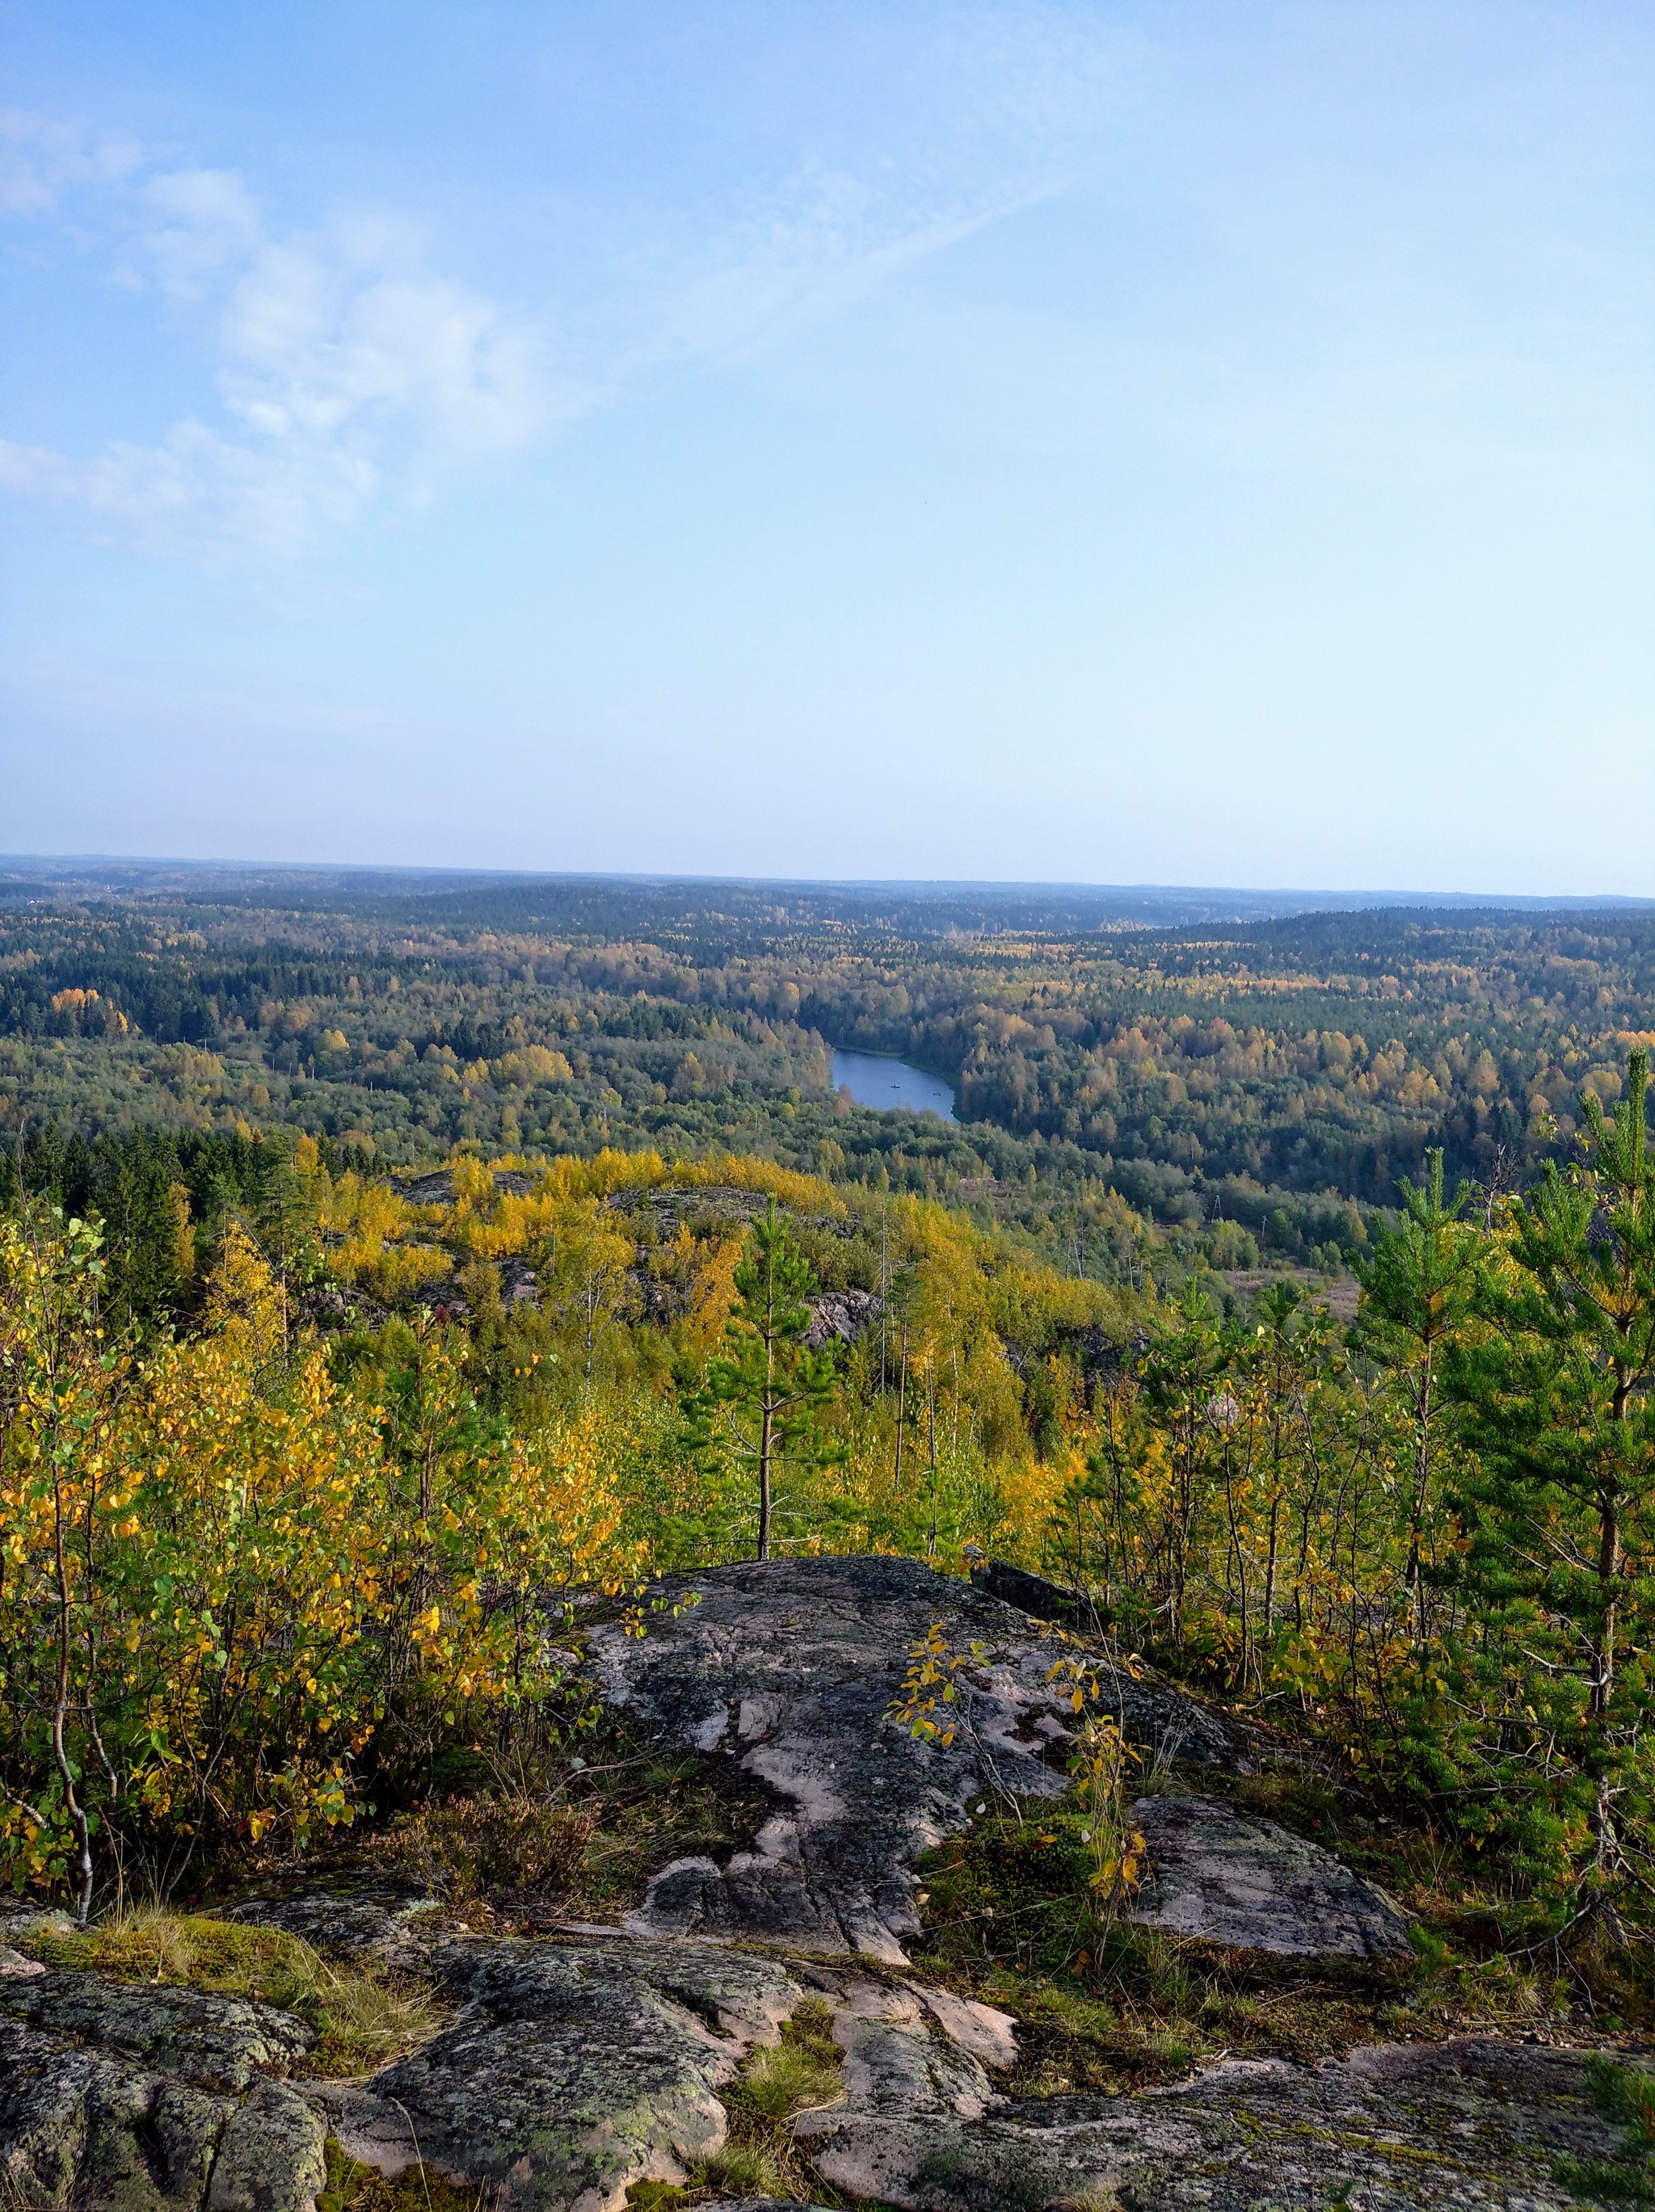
[568, 2067]
[792, 1668]
[841, 1316]
[145, 2099]
[1424, 2128]
[573, 2069]
[348, 1918]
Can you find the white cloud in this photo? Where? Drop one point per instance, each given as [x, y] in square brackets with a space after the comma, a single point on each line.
[202, 494]
[207, 220]
[340, 330]
[41, 159]
[827, 236]
[346, 370]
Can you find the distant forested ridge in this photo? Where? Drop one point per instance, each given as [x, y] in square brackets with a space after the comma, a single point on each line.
[1226, 1090]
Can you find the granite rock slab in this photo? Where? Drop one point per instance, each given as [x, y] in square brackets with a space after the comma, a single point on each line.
[571, 2070]
[1235, 1878]
[1427, 2128]
[790, 1668]
[221, 2043]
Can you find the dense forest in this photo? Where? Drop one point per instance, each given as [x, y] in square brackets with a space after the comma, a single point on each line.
[1132, 1088]
[285, 1500]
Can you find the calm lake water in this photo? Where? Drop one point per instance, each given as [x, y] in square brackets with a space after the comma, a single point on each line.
[874, 1079]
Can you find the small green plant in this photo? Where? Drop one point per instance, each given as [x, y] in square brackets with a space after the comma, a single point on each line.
[779, 2081]
[747, 2169]
[789, 2077]
[1625, 2093]
[652, 2196]
[1101, 1763]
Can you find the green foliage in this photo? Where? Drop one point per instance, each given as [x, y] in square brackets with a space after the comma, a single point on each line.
[799, 2072]
[1558, 1496]
[777, 2082]
[762, 1402]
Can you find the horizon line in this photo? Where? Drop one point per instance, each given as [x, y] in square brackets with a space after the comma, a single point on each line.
[1345, 895]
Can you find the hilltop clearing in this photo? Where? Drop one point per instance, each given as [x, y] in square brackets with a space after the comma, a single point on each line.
[803, 2054]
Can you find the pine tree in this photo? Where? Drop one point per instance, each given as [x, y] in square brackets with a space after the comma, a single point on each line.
[769, 1384]
[1417, 1292]
[1559, 1502]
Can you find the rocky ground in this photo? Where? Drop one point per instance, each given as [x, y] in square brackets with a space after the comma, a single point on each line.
[590, 2065]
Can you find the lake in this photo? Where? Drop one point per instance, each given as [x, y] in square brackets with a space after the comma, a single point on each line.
[874, 1079]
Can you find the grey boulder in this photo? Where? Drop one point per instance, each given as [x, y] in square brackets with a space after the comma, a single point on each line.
[572, 2069]
[1239, 1880]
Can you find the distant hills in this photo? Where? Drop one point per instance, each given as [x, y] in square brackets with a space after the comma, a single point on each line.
[968, 906]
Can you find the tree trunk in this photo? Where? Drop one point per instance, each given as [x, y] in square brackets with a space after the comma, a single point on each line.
[765, 1447]
[72, 1804]
[902, 1402]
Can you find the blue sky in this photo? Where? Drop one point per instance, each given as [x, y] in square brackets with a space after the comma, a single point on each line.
[1184, 443]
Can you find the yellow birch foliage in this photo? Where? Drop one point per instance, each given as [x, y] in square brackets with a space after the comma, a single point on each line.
[222, 1570]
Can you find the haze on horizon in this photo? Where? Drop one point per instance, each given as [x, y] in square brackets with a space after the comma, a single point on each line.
[1117, 445]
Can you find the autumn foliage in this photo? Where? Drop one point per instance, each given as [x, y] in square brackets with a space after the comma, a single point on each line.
[224, 1572]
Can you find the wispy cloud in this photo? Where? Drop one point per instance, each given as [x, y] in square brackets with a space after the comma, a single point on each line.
[345, 368]
[348, 371]
[41, 159]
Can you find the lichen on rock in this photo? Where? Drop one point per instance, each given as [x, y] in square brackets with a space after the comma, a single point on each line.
[572, 2069]
[792, 1668]
[1235, 1879]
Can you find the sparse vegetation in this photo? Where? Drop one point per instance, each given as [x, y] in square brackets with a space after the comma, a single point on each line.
[354, 2187]
[581, 1840]
[362, 2014]
[759, 2158]
[1626, 2093]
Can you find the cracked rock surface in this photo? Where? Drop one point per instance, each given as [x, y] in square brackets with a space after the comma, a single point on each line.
[116, 2097]
[1393, 2129]
[572, 2070]
[791, 1667]
[1233, 1879]
[570, 2066]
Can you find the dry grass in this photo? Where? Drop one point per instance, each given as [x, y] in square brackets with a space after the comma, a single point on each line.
[778, 2082]
[486, 1847]
[566, 1841]
[362, 2014]
[352, 2187]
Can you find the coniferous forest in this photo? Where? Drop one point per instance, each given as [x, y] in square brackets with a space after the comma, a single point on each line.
[387, 1262]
